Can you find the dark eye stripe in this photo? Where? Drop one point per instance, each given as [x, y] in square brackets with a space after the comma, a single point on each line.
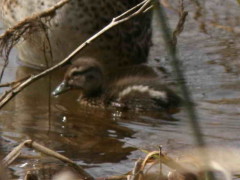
[76, 73]
[85, 71]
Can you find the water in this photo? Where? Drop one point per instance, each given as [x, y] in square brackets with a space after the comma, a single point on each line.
[107, 142]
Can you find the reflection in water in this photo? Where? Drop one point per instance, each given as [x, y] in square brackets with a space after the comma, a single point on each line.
[88, 134]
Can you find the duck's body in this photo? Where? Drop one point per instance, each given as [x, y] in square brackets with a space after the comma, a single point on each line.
[76, 21]
[135, 91]
[141, 93]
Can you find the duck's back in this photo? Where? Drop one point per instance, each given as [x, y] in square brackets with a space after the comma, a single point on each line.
[139, 92]
[75, 22]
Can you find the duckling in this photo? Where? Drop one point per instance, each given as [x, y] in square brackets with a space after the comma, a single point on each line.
[132, 91]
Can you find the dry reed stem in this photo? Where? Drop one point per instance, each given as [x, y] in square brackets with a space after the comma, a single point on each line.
[137, 171]
[165, 159]
[136, 10]
[14, 83]
[16, 152]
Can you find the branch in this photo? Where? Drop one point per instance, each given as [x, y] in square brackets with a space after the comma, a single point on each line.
[16, 152]
[14, 83]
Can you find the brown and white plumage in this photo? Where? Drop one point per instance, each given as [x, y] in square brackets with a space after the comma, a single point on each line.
[125, 44]
[135, 91]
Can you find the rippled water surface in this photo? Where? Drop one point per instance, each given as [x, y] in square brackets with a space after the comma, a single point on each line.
[106, 142]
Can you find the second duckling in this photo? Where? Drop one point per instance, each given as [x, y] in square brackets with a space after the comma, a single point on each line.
[136, 91]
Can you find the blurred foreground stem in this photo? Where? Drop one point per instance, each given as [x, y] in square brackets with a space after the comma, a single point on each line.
[172, 52]
[179, 75]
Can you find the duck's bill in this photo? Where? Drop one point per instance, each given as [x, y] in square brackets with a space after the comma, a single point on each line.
[60, 89]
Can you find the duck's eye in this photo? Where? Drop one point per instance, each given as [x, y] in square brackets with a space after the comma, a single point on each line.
[77, 73]
[90, 77]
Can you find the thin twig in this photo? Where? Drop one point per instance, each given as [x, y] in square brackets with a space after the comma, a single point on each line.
[128, 12]
[48, 63]
[15, 153]
[14, 83]
[168, 161]
[4, 67]
[116, 21]
[160, 162]
[40, 148]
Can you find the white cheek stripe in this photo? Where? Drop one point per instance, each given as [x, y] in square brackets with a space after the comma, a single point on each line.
[143, 89]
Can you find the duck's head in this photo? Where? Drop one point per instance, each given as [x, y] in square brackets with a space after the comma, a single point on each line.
[85, 75]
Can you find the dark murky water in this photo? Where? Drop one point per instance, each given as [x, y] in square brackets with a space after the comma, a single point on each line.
[106, 141]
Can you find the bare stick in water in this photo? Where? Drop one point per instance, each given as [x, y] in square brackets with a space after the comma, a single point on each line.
[16, 152]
